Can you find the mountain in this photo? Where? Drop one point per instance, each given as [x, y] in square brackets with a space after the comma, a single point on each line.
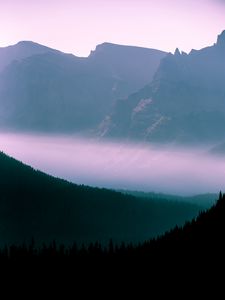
[203, 200]
[134, 65]
[184, 103]
[33, 204]
[21, 51]
[46, 90]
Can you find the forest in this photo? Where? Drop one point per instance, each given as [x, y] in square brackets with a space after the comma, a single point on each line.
[34, 204]
[200, 238]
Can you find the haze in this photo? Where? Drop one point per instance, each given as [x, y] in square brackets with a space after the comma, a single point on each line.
[119, 165]
[78, 26]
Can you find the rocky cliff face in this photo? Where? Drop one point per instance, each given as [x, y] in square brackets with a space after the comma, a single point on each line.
[47, 90]
[185, 102]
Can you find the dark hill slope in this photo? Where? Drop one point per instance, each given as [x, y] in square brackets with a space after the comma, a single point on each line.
[199, 245]
[35, 204]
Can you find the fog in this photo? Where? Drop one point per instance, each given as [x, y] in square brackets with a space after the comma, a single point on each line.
[117, 165]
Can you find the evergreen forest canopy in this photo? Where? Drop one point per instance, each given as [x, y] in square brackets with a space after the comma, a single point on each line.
[33, 204]
[201, 238]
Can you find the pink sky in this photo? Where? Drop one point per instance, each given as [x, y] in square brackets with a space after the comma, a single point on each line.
[77, 26]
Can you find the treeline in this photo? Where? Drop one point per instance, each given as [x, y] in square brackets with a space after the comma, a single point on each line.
[202, 237]
[35, 204]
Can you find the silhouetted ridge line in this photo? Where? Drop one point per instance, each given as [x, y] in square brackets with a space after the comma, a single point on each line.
[199, 239]
[33, 204]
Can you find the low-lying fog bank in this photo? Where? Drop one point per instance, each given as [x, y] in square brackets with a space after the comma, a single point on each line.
[118, 165]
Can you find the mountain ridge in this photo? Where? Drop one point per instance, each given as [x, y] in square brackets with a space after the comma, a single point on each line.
[184, 103]
[21, 50]
[43, 89]
[34, 204]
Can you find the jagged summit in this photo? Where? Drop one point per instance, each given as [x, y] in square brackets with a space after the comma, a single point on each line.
[186, 89]
[177, 52]
[221, 39]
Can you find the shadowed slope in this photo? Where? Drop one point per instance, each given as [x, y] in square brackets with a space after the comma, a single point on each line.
[35, 204]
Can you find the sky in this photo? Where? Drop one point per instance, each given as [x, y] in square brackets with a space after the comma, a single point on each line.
[77, 26]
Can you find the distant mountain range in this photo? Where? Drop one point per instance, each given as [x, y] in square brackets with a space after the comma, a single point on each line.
[120, 92]
[33, 204]
[43, 89]
[21, 51]
[184, 103]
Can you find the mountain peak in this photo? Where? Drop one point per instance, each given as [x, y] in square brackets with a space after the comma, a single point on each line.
[32, 45]
[21, 50]
[221, 39]
[106, 46]
[111, 48]
[101, 48]
[177, 52]
[26, 43]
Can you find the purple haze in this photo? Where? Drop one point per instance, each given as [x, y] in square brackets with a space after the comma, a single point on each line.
[116, 165]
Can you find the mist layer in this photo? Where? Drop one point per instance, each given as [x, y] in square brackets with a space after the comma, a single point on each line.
[119, 165]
